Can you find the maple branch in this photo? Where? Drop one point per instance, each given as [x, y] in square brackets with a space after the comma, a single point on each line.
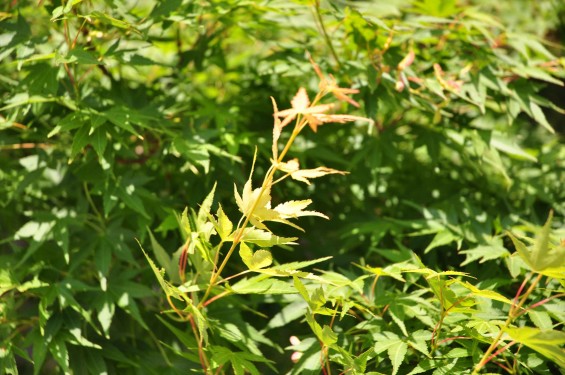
[301, 122]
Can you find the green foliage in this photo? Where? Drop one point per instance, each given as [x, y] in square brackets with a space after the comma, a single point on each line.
[444, 247]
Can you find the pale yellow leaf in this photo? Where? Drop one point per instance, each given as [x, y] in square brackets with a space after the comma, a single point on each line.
[304, 174]
[339, 118]
[318, 109]
[289, 166]
[277, 129]
[293, 209]
[300, 101]
[238, 199]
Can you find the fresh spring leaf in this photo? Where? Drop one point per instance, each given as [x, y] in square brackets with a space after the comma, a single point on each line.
[261, 284]
[264, 239]
[548, 343]
[256, 204]
[395, 347]
[542, 257]
[241, 362]
[205, 207]
[255, 260]
[163, 258]
[168, 288]
[224, 226]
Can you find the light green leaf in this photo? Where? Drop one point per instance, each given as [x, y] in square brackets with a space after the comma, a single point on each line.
[79, 339]
[225, 226]
[264, 238]
[541, 319]
[201, 321]
[31, 284]
[378, 271]
[548, 343]
[205, 206]
[293, 209]
[539, 116]
[483, 253]
[328, 336]
[163, 258]
[457, 353]
[301, 289]
[185, 226]
[299, 265]
[241, 362]
[491, 294]
[105, 314]
[419, 341]
[107, 19]
[397, 314]
[262, 285]
[168, 288]
[441, 238]
[257, 260]
[396, 353]
[304, 175]
[288, 313]
[385, 340]
[8, 360]
[294, 273]
[542, 257]
[509, 146]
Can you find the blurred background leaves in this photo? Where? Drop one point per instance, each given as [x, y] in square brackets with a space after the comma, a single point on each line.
[116, 115]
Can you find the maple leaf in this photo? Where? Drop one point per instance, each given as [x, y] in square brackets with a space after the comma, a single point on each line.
[293, 209]
[289, 166]
[314, 115]
[256, 205]
[292, 167]
[304, 174]
[301, 106]
[331, 86]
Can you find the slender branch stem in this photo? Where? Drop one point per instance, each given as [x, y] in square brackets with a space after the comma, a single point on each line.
[92, 205]
[512, 315]
[318, 16]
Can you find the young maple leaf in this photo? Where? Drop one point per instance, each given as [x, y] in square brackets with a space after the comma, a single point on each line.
[293, 209]
[301, 106]
[314, 115]
[331, 86]
[293, 169]
[256, 205]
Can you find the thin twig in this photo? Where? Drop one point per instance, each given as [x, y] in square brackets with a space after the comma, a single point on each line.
[318, 16]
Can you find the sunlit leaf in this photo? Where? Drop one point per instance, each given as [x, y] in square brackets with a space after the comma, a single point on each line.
[255, 260]
[542, 257]
[549, 343]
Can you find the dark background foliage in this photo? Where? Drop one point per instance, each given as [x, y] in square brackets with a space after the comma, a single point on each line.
[117, 115]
